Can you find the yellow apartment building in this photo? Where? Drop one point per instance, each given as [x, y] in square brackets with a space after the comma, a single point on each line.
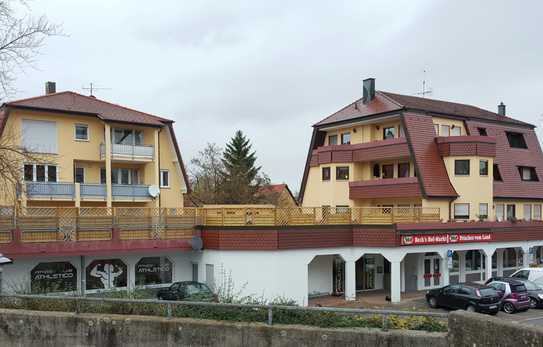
[87, 152]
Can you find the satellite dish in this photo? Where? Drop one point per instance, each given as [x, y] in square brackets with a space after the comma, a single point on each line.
[154, 191]
[196, 243]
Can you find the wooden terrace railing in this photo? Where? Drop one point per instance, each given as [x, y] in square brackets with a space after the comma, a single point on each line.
[38, 224]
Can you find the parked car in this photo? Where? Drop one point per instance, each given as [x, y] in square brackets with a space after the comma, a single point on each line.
[471, 297]
[528, 273]
[513, 293]
[187, 291]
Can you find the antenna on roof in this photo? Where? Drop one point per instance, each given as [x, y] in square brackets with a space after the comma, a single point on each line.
[424, 91]
[93, 88]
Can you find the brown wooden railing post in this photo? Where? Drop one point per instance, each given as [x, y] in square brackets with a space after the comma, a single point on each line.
[392, 212]
[222, 216]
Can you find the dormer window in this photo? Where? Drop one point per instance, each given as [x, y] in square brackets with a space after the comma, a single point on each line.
[482, 131]
[346, 138]
[516, 140]
[456, 130]
[389, 133]
[496, 173]
[527, 173]
[332, 140]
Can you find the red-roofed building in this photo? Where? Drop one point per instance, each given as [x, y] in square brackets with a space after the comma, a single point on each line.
[277, 194]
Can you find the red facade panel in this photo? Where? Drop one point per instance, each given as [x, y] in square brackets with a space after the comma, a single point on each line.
[385, 188]
[374, 237]
[316, 238]
[466, 145]
[432, 172]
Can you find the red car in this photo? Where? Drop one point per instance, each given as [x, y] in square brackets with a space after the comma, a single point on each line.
[514, 295]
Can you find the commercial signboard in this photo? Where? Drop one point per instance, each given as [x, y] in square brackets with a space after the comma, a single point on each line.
[153, 270]
[441, 239]
[106, 274]
[53, 277]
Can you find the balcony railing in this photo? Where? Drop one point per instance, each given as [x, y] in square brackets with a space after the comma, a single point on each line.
[129, 152]
[130, 192]
[93, 191]
[51, 190]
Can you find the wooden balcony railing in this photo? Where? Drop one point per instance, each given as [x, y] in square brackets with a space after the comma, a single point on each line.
[37, 224]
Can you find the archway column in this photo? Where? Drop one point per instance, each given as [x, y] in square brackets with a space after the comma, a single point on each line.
[350, 279]
[395, 258]
[444, 268]
[488, 251]
[525, 256]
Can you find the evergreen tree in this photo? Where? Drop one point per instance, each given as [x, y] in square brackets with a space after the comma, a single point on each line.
[241, 176]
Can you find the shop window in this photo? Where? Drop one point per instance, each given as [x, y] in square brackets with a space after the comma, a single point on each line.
[326, 173]
[346, 138]
[455, 262]
[403, 170]
[445, 130]
[516, 140]
[500, 211]
[461, 211]
[456, 130]
[483, 167]
[527, 212]
[461, 167]
[482, 131]
[473, 260]
[510, 258]
[388, 171]
[496, 173]
[342, 173]
[483, 211]
[527, 173]
[389, 133]
[332, 140]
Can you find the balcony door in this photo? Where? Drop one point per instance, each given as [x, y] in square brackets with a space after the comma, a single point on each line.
[124, 176]
[130, 137]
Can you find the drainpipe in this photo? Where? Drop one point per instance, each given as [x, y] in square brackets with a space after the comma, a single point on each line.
[158, 145]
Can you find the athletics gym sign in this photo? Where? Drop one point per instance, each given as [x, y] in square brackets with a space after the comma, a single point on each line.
[444, 239]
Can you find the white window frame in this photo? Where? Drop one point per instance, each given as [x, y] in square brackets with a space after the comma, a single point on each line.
[162, 178]
[461, 205]
[485, 205]
[453, 129]
[536, 212]
[75, 132]
[527, 212]
[442, 129]
[35, 176]
[500, 212]
[436, 129]
[133, 136]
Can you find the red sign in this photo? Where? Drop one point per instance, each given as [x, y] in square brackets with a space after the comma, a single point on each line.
[442, 239]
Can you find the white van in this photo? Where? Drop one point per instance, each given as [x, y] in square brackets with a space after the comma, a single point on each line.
[528, 273]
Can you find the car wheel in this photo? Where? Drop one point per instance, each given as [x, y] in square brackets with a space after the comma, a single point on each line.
[470, 308]
[533, 303]
[508, 308]
[432, 302]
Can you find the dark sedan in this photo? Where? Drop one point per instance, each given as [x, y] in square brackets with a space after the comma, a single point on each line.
[469, 297]
[188, 291]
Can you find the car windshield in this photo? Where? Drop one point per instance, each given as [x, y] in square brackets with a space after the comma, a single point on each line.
[517, 288]
[487, 292]
[531, 285]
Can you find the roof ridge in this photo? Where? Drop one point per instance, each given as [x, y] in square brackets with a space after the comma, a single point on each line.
[37, 97]
[383, 94]
[117, 105]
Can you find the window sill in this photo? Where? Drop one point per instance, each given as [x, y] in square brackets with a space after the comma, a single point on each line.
[81, 140]
[164, 187]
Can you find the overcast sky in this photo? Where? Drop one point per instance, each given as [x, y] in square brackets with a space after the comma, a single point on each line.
[274, 68]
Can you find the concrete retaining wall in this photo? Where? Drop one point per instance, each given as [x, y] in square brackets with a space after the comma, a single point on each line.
[33, 328]
[478, 330]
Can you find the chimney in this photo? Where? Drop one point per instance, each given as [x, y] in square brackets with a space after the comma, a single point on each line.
[369, 90]
[501, 109]
[50, 87]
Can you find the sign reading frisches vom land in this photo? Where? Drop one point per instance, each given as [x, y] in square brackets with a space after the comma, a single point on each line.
[436, 239]
[53, 277]
[153, 270]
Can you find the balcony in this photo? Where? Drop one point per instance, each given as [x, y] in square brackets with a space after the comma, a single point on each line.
[50, 191]
[129, 153]
[362, 152]
[483, 146]
[132, 192]
[404, 187]
[93, 191]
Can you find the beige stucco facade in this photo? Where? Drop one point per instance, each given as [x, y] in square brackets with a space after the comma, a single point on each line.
[72, 153]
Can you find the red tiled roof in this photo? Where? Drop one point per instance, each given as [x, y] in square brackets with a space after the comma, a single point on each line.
[431, 171]
[274, 189]
[73, 102]
[508, 160]
[388, 102]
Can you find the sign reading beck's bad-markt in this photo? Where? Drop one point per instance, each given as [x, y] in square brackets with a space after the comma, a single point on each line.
[440, 239]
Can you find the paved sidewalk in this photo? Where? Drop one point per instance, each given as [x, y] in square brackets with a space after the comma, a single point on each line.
[374, 299]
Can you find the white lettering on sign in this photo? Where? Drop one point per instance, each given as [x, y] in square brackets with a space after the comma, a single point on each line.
[437, 239]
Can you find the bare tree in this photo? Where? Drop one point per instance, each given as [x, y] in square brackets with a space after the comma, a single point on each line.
[13, 157]
[21, 38]
[206, 175]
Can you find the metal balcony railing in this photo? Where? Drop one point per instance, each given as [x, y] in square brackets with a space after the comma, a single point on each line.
[89, 191]
[130, 192]
[50, 189]
[129, 151]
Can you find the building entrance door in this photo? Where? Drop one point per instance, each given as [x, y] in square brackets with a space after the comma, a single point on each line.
[432, 271]
[368, 273]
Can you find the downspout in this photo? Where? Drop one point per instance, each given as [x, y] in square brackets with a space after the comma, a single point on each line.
[159, 178]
